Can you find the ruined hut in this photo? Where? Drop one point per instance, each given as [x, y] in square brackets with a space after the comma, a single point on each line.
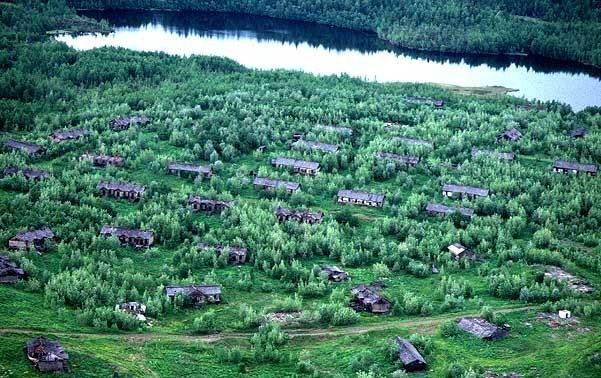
[236, 255]
[46, 355]
[134, 308]
[459, 251]
[563, 166]
[360, 198]
[195, 295]
[102, 160]
[31, 239]
[28, 173]
[207, 205]
[507, 156]
[28, 148]
[317, 146]
[134, 237]
[335, 274]
[273, 184]
[120, 189]
[578, 133]
[462, 191]
[309, 168]
[438, 104]
[411, 359]
[298, 135]
[574, 283]
[511, 135]
[366, 298]
[124, 123]
[483, 329]
[300, 216]
[402, 159]
[64, 135]
[9, 271]
[442, 210]
[185, 169]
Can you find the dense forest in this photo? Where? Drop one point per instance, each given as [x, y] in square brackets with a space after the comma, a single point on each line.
[214, 112]
[566, 29]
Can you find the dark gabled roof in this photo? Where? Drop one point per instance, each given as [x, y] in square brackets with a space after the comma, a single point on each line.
[498, 155]
[573, 165]
[61, 135]
[303, 214]
[324, 147]
[43, 233]
[294, 163]
[363, 196]
[27, 172]
[443, 209]
[233, 250]
[480, 192]
[480, 327]
[7, 267]
[273, 183]
[128, 121]
[367, 294]
[579, 132]
[408, 354]
[200, 169]
[413, 142]
[405, 159]
[335, 129]
[46, 350]
[199, 200]
[121, 185]
[107, 158]
[24, 146]
[512, 134]
[173, 290]
[108, 230]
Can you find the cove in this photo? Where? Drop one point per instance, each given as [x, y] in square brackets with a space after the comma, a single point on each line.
[266, 43]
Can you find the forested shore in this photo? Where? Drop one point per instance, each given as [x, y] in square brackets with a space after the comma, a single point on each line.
[564, 30]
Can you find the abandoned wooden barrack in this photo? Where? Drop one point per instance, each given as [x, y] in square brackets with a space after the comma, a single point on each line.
[102, 160]
[411, 359]
[334, 273]
[442, 210]
[301, 216]
[64, 135]
[189, 169]
[236, 255]
[564, 166]
[403, 159]
[298, 166]
[195, 295]
[459, 251]
[10, 271]
[28, 173]
[314, 145]
[123, 123]
[31, 239]
[134, 237]
[26, 147]
[360, 198]
[46, 355]
[209, 206]
[120, 189]
[366, 298]
[511, 135]
[268, 183]
[507, 156]
[134, 308]
[483, 329]
[452, 191]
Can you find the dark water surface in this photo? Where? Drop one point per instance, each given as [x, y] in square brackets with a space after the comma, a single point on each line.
[265, 43]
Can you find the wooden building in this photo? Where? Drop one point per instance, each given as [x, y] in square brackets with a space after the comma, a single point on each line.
[413, 142]
[366, 298]
[120, 189]
[334, 273]
[347, 131]
[124, 123]
[28, 148]
[459, 251]
[317, 146]
[304, 167]
[300, 216]
[134, 237]
[360, 198]
[236, 255]
[511, 135]
[507, 156]
[438, 104]
[28, 173]
[64, 135]
[411, 359]
[442, 210]
[185, 169]
[209, 206]
[483, 329]
[454, 191]
[564, 166]
[134, 308]
[580, 132]
[9, 271]
[273, 184]
[103, 160]
[402, 159]
[46, 355]
[195, 295]
[31, 239]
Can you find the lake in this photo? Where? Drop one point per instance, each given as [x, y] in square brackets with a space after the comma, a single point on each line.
[266, 43]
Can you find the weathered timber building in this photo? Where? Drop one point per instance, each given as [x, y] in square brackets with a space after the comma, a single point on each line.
[209, 206]
[360, 198]
[124, 123]
[120, 189]
[402, 159]
[442, 210]
[511, 135]
[185, 169]
[31, 239]
[133, 308]
[64, 135]
[103, 160]
[273, 184]
[134, 237]
[195, 295]
[9, 271]
[334, 273]
[28, 173]
[368, 299]
[459, 251]
[304, 167]
[300, 216]
[46, 355]
[236, 255]
[482, 328]
[454, 191]
[580, 132]
[28, 148]
[411, 359]
[563, 166]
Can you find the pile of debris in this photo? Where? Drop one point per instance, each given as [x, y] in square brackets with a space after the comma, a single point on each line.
[282, 317]
[574, 283]
[556, 320]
